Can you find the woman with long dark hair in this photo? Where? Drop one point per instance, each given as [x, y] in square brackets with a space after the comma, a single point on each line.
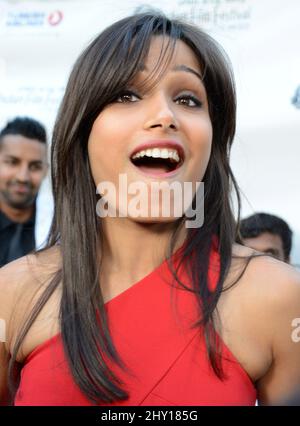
[158, 308]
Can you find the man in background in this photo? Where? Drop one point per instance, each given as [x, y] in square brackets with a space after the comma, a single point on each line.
[23, 166]
[268, 234]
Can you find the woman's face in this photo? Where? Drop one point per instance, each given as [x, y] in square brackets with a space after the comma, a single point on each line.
[150, 136]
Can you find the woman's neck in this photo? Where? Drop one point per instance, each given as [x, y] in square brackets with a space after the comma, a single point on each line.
[132, 250]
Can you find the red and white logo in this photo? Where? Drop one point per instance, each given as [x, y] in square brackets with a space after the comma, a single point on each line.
[55, 17]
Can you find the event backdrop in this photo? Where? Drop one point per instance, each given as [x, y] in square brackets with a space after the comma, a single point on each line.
[40, 40]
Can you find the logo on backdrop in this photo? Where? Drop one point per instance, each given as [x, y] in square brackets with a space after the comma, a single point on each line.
[296, 98]
[55, 17]
[225, 15]
[33, 19]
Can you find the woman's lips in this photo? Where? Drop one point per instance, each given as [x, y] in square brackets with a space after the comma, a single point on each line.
[157, 164]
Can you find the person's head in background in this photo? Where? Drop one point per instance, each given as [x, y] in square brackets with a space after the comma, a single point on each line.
[267, 233]
[23, 163]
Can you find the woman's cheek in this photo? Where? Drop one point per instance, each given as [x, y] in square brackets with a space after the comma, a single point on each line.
[203, 144]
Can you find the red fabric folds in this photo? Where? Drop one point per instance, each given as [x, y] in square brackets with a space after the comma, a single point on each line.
[166, 359]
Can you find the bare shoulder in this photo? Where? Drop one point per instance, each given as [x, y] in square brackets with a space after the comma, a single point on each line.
[271, 279]
[268, 293]
[21, 282]
[28, 272]
[258, 291]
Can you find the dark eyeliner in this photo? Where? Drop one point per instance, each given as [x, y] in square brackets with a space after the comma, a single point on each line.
[127, 92]
[197, 102]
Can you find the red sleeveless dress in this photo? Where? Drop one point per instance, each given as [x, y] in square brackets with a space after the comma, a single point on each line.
[166, 359]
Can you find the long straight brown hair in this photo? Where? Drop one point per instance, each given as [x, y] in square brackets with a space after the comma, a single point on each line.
[100, 74]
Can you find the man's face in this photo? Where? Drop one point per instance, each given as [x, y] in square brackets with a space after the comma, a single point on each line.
[267, 243]
[23, 165]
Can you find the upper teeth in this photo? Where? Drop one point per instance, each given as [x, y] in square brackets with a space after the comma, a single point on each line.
[158, 153]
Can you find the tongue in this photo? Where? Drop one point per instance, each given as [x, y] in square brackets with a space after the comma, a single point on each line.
[154, 170]
[154, 165]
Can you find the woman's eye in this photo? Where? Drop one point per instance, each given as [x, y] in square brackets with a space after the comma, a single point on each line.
[127, 97]
[188, 100]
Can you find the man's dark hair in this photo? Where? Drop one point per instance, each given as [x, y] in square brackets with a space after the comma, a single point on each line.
[25, 126]
[257, 224]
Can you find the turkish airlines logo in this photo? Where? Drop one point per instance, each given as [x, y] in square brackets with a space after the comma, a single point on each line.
[55, 18]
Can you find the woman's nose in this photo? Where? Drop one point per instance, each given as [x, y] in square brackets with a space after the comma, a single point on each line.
[161, 115]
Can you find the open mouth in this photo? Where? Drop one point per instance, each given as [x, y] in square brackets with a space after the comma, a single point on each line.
[157, 161]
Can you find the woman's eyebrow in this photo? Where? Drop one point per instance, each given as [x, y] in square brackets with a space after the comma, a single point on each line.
[182, 67]
[187, 69]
